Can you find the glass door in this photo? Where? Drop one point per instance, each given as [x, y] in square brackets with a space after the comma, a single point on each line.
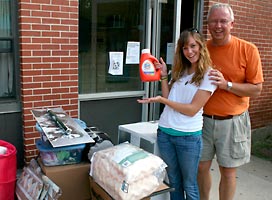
[163, 34]
[169, 18]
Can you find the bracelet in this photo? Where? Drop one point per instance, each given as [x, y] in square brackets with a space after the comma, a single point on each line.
[164, 78]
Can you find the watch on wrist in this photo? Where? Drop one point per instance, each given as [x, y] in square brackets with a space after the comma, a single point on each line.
[229, 85]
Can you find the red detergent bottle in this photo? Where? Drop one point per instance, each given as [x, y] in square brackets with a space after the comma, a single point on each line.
[148, 71]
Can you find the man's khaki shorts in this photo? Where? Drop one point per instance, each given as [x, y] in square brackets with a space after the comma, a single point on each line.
[229, 140]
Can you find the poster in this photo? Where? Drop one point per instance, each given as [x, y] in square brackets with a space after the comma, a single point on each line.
[116, 63]
[133, 53]
[70, 134]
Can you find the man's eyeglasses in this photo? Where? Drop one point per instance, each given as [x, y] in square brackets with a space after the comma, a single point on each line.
[221, 21]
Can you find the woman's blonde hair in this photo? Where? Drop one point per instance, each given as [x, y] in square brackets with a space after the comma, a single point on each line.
[181, 63]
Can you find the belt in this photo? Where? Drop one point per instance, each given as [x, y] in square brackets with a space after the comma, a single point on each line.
[219, 117]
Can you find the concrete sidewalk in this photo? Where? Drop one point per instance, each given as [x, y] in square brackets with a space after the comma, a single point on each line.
[254, 180]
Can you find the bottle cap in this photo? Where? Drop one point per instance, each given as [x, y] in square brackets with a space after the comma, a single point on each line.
[146, 51]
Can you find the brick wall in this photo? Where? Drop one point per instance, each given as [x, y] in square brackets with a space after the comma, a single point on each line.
[49, 61]
[253, 23]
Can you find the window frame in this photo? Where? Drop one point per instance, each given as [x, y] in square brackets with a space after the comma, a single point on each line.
[13, 104]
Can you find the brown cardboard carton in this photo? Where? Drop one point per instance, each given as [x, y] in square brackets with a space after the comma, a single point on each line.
[72, 179]
[98, 193]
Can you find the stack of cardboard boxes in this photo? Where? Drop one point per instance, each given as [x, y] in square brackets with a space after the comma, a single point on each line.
[65, 165]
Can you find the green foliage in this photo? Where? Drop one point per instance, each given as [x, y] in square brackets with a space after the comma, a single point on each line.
[263, 148]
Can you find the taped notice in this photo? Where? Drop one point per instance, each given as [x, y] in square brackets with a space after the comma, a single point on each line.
[116, 63]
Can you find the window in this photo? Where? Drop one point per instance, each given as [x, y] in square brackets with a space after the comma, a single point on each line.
[106, 26]
[8, 53]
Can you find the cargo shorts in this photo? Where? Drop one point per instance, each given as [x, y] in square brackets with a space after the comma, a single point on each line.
[229, 140]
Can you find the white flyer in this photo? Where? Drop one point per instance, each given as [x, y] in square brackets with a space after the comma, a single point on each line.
[133, 53]
[116, 63]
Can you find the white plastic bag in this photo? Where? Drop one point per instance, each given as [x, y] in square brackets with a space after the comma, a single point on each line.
[127, 172]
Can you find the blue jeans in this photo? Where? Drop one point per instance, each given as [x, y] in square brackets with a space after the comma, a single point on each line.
[182, 155]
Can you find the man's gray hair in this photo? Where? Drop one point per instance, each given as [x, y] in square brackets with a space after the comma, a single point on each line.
[221, 5]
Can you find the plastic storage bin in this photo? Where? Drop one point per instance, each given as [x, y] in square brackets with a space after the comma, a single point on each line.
[8, 169]
[51, 156]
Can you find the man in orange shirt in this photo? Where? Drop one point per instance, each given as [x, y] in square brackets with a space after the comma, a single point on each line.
[227, 131]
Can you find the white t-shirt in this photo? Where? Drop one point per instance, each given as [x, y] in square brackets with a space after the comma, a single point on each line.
[183, 91]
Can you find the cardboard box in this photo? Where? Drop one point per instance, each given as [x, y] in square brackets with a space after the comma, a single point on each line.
[72, 179]
[98, 193]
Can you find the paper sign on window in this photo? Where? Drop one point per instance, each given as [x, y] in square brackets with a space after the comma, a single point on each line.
[133, 53]
[116, 63]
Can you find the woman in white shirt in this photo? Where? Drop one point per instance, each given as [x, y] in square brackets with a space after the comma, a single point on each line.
[180, 125]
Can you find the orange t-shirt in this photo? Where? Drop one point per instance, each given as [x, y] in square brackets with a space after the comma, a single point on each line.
[240, 62]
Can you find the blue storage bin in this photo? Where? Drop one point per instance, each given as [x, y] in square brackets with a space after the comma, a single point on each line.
[53, 156]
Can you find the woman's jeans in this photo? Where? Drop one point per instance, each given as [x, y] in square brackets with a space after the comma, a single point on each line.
[182, 155]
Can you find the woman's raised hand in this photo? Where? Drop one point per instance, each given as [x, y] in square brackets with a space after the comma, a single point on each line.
[162, 66]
